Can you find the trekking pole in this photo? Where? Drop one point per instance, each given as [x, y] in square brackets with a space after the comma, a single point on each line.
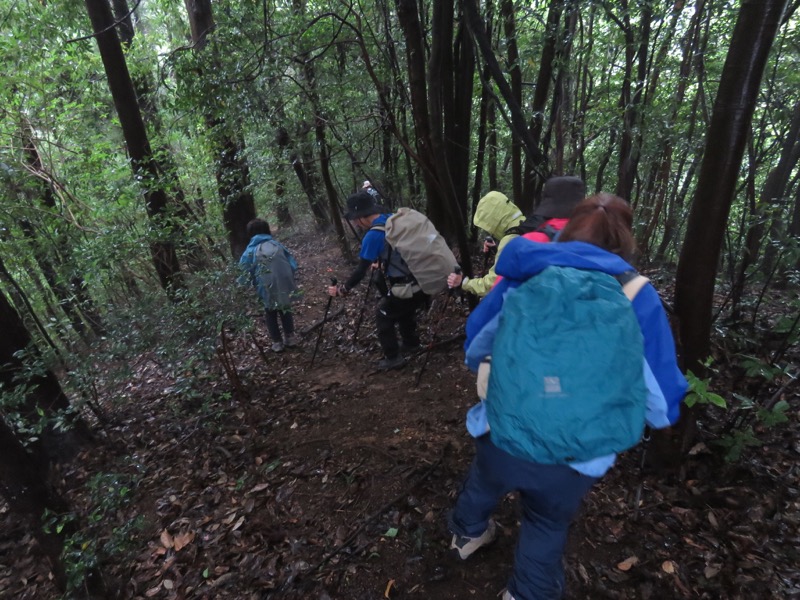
[638, 494]
[363, 306]
[322, 325]
[457, 270]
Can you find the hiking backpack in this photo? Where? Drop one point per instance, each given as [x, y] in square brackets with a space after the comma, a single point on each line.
[413, 236]
[545, 227]
[567, 382]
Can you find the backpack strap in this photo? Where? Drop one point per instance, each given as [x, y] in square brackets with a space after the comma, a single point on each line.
[550, 231]
[546, 228]
[631, 283]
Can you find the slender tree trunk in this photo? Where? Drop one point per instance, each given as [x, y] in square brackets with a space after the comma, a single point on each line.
[753, 35]
[49, 271]
[517, 118]
[144, 165]
[75, 287]
[23, 485]
[507, 16]
[663, 164]
[531, 184]
[233, 170]
[324, 161]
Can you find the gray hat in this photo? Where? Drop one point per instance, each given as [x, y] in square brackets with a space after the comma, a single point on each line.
[560, 195]
[361, 204]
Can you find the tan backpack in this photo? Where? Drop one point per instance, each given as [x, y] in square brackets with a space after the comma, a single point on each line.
[422, 247]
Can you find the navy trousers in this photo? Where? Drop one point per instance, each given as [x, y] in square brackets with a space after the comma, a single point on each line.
[403, 313]
[550, 496]
[286, 320]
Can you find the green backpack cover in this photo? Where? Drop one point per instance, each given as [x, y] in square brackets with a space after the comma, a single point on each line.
[567, 381]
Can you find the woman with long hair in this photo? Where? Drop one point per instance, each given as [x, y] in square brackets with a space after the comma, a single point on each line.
[570, 370]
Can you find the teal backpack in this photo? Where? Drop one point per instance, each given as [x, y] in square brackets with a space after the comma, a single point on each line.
[567, 382]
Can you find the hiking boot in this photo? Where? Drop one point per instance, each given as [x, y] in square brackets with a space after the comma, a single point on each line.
[387, 364]
[290, 341]
[277, 347]
[465, 546]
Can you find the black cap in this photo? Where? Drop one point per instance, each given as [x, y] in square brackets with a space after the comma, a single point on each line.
[559, 196]
[361, 204]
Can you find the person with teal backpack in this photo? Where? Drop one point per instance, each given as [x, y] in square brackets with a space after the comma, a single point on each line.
[574, 356]
[270, 268]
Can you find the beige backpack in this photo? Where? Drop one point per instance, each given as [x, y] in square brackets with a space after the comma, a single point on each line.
[422, 247]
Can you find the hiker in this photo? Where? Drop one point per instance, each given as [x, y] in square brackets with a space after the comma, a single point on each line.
[402, 295]
[560, 196]
[367, 187]
[496, 215]
[550, 426]
[270, 267]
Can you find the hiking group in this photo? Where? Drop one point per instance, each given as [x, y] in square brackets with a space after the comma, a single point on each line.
[571, 347]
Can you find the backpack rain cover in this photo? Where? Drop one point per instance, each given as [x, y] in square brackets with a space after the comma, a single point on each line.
[567, 382]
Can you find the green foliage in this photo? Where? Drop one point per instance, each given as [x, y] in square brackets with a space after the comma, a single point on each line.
[175, 341]
[699, 393]
[735, 443]
[30, 422]
[85, 548]
[756, 367]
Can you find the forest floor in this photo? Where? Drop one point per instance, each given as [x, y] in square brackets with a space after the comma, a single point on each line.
[334, 481]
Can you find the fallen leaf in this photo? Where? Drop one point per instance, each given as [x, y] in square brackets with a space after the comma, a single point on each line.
[626, 564]
[183, 539]
[168, 584]
[697, 449]
[669, 566]
[583, 573]
[258, 488]
[710, 572]
[388, 589]
[238, 523]
[166, 539]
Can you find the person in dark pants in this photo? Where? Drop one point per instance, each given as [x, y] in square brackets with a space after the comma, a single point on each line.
[402, 294]
[270, 268]
[597, 238]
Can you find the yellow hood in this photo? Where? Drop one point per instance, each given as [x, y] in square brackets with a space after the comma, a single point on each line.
[496, 213]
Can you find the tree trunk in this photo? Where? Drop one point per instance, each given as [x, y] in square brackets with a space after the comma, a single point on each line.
[531, 183]
[41, 393]
[144, 165]
[515, 76]
[23, 485]
[517, 118]
[233, 170]
[753, 35]
[324, 161]
[84, 306]
[431, 99]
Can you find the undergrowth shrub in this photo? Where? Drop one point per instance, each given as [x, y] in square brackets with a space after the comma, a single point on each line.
[174, 342]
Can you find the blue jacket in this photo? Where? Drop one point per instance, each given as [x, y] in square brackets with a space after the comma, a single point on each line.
[523, 259]
[270, 267]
